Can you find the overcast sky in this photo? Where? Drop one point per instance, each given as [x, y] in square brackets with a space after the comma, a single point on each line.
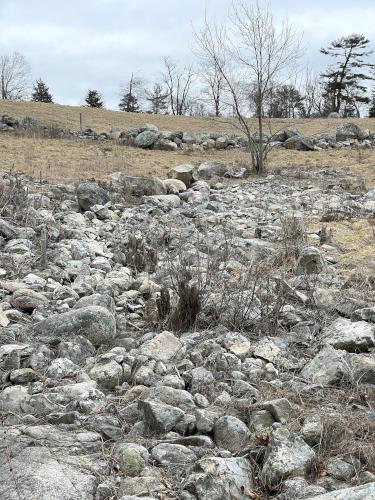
[74, 45]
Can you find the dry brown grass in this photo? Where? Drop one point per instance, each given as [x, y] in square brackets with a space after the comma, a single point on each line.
[59, 160]
[102, 119]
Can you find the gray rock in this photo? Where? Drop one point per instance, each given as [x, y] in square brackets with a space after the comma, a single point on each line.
[215, 478]
[184, 173]
[142, 186]
[280, 409]
[363, 492]
[62, 368]
[339, 469]
[310, 261]
[173, 454]
[287, 455]
[160, 417]
[132, 458]
[165, 145]
[350, 131]
[7, 230]
[89, 194]
[292, 132]
[163, 347]
[210, 169]
[107, 373]
[146, 139]
[174, 186]
[164, 200]
[95, 323]
[189, 138]
[231, 433]
[350, 336]
[27, 300]
[175, 397]
[299, 143]
[41, 467]
[298, 488]
[328, 367]
[201, 380]
[22, 376]
[365, 314]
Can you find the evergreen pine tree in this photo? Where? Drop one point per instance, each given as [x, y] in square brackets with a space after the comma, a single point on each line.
[158, 100]
[129, 103]
[371, 111]
[94, 99]
[343, 80]
[41, 92]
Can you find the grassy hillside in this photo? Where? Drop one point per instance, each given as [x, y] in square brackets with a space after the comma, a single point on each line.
[102, 119]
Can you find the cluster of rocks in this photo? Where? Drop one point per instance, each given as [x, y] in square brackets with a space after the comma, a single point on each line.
[150, 137]
[97, 404]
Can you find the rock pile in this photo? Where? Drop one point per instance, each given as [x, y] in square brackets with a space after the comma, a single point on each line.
[161, 350]
[150, 137]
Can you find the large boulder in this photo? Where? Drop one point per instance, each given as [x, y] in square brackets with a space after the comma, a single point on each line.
[350, 131]
[166, 201]
[94, 322]
[362, 492]
[299, 143]
[46, 463]
[89, 194]
[216, 478]
[328, 367]
[231, 433]
[173, 454]
[165, 145]
[27, 300]
[142, 186]
[163, 347]
[210, 169]
[184, 173]
[287, 455]
[351, 336]
[160, 417]
[146, 139]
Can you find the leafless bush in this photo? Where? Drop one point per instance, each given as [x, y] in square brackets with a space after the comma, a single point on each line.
[349, 437]
[209, 289]
[32, 129]
[14, 200]
[293, 238]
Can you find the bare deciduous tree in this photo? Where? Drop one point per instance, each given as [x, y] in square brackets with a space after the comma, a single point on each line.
[258, 52]
[14, 76]
[211, 75]
[178, 82]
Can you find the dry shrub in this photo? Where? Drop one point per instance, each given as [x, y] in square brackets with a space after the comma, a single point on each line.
[14, 201]
[136, 252]
[349, 437]
[204, 290]
[293, 238]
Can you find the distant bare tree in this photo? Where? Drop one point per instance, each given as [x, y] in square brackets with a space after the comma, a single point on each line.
[178, 82]
[14, 76]
[311, 89]
[258, 52]
[211, 73]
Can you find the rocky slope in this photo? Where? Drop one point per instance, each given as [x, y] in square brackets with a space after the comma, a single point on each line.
[184, 340]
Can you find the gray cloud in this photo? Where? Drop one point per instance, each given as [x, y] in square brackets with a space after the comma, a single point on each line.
[74, 45]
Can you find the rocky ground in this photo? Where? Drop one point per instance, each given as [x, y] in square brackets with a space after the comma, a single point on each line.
[186, 339]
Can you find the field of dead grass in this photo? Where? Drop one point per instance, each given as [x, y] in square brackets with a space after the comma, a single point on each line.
[103, 120]
[58, 160]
